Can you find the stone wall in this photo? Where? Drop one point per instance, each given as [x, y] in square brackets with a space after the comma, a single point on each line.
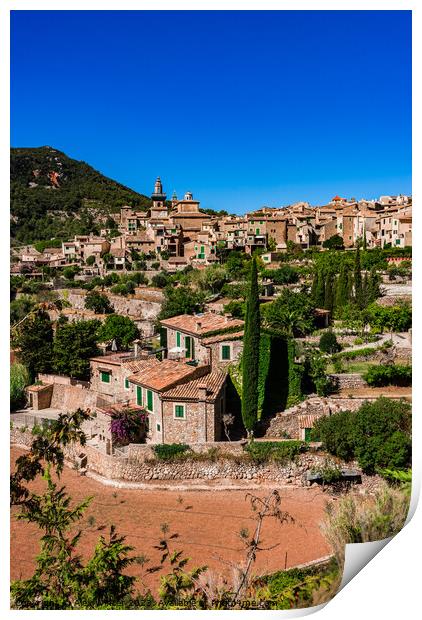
[140, 466]
[143, 307]
[345, 381]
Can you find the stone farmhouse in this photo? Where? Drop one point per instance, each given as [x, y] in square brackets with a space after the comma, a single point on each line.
[183, 395]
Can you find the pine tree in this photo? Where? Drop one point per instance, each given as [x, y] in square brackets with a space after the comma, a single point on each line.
[250, 356]
[358, 280]
[343, 287]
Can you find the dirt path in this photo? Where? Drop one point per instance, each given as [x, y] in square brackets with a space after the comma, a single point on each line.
[208, 523]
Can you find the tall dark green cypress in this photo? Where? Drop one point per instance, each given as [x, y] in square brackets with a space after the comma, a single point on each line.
[320, 289]
[250, 357]
[342, 287]
[358, 280]
[374, 285]
[329, 293]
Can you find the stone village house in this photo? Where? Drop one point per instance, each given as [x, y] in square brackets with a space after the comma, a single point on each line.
[184, 395]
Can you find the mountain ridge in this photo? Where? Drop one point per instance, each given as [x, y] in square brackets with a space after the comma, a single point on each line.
[53, 195]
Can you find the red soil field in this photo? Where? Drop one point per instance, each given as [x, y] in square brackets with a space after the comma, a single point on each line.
[208, 524]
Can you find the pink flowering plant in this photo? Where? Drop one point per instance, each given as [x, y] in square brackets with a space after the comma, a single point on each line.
[127, 425]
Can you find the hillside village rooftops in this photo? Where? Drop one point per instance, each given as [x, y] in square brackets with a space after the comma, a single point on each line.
[201, 324]
[161, 376]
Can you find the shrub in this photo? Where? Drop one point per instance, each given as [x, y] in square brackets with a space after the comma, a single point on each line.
[385, 374]
[170, 451]
[279, 451]
[19, 379]
[329, 473]
[357, 520]
[377, 435]
[98, 302]
[328, 342]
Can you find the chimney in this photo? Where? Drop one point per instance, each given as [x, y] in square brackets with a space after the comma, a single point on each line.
[137, 348]
[202, 391]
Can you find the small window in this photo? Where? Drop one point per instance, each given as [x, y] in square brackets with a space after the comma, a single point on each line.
[225, 352]
[177, 339]
[139, 396]
[105, 377]
[158, 428]
[179, 411]
[127, 385]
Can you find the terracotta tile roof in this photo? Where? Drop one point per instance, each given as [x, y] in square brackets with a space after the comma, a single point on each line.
[116, 359]
[307, 421]
[202, 324]
[118, 407]
[140, 365]
[190, 391]
[166, 374]
[223, 337]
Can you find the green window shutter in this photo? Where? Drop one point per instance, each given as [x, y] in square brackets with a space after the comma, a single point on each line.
[127, 386]
[257, 231]
[139, 395]
[105, 377]
[202, 249]
[158, 428]
[150, 402]
[188, 341]
[179, 411]
[308, 432]
[225, 352]
[177, 339]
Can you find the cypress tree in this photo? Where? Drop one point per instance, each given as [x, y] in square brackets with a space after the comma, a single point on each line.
[329, 294]
[343, 287]
[374, 285]
[358, 280]
[320, 290]
[250, 357]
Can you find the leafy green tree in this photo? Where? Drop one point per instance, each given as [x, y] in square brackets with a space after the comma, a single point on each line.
[19, 379]
[90, 260]
[283, 275]
[34, 340]
[181, 300]
[250, 356]
[396, 318]
[328, 342]
[20, 307]
[292, 313]
[119, 328]
[74, 345]
[378, 435]
[70, 272]
[160, 280]
[334, 243]
[98, 302]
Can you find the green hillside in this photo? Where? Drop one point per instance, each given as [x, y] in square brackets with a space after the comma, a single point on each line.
[53, 195]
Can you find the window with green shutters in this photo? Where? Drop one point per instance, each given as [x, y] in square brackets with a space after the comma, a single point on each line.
[139, 396]
[179, 411]
[257, 231]
[177, 339]
[127, 386]
[158, 427]
[105, 377]
[188, 347]
[225, 352]
[308, 433]
[150, 401]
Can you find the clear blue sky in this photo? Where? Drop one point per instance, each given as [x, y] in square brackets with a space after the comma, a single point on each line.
[244, 109]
